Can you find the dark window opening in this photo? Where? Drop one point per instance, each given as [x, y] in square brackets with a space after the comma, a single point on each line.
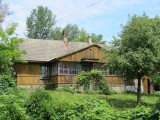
[44, 72]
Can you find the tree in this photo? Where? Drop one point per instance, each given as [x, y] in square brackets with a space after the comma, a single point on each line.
[136, 52]
[156, 78]
[40, 23]
[9, 49]
[4, 11]
[82, 36]
[97, 39]
[56, 33]
[72, 31]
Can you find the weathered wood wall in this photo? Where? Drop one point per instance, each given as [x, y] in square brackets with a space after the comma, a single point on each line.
[145, 84]
[29, 74]
[71, 80]
[115, 80]
[148, 86]
[91, 52]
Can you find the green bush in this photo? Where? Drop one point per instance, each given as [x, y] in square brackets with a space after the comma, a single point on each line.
[89, 109]
[36, 105]
[155, 113]
[83, 79]
[12, 108]
[92, 109]
[137, 113]
[104, 87]
[93, 79]
[6, 82]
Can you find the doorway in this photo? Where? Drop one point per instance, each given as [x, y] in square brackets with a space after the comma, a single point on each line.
[86, 66]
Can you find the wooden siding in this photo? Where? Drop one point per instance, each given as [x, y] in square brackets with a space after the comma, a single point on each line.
[29, 74]
[91, 52]
[67, 79]
[145, 84]
[115, 80]
[71, 79]
[148, 86]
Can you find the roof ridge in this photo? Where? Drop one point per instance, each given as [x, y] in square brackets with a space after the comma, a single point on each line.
[52, 40]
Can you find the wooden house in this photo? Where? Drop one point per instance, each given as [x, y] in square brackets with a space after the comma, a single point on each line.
[57, 63]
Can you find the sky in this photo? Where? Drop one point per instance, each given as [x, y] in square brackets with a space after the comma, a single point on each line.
[95, 16]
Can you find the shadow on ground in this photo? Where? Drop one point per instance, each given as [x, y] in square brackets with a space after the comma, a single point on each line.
[124, 103]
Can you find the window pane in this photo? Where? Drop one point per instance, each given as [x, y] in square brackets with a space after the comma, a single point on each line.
[44, 72]
[69, 68]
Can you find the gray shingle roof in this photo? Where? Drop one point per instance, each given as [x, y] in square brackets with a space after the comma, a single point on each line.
[46, 50]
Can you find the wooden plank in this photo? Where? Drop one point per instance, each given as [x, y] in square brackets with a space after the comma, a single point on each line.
[145, 85]
[91, 52]
[115, 80]
[67, 79]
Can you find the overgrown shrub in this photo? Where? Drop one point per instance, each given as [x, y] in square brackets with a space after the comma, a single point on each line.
[89, 109]
[83, 79]
[104, 87]
[92, 109]
[93, 80]
[12, 108]
[137, 113]
[6, 82]
[155, 113]
[36, 105]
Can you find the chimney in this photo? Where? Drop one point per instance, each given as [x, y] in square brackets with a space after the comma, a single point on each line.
[65, 39]
[89, 40]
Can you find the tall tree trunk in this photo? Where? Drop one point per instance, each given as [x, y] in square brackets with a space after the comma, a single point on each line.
[139, 90]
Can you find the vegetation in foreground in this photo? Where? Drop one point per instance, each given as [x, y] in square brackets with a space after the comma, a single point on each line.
[66, 104]
[40, 104]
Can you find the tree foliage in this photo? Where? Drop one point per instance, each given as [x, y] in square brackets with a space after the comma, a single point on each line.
[72, 31]
[156, 78]
[4, 11]
[40, 23]
[83, 35]
[9, 49]
[97, 38]
[56, 33]
[137, 50]
[6, 82]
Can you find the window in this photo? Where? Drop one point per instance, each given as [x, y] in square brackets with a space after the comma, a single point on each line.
[69, 68]
[54, 69]
[44, 72]
[112, 72]
[101, 68]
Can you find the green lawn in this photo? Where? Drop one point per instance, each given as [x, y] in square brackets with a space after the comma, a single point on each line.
[116, 101]
[128, 100]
